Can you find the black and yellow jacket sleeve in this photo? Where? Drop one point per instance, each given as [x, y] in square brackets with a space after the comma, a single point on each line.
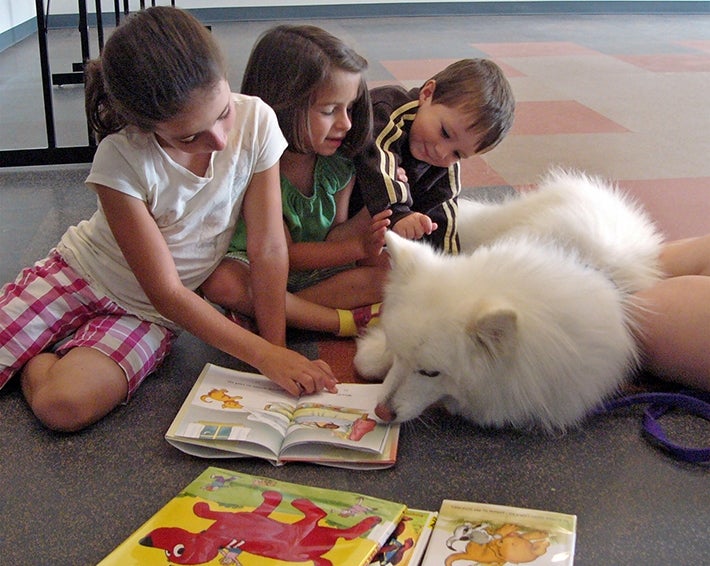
[430, 190]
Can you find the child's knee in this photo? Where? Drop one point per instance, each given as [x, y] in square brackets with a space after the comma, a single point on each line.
[210, 289]
[225, 285]
[70, 393]
[60, 410]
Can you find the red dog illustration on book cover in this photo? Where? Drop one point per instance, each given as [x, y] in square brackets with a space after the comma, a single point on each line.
[235, 519]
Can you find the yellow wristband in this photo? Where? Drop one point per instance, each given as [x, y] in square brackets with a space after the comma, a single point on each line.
[346, 321]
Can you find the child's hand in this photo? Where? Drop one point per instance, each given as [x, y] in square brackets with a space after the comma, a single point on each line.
[374, 240]
[296, 373]
[414, 226]
[402, 175]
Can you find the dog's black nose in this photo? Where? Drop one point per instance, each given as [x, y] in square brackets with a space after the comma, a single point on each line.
[385, 413]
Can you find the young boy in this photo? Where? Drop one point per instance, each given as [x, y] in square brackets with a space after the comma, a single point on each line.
[464, 110]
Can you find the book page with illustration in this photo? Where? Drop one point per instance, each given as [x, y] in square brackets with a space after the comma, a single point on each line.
[469, 532]
[230, 413]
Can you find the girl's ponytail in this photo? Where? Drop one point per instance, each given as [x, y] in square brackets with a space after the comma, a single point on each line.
[101, 118]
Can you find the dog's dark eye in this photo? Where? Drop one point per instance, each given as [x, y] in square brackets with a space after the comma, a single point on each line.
[427, 373]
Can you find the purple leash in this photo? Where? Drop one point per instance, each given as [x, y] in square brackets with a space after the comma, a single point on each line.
[693, 402]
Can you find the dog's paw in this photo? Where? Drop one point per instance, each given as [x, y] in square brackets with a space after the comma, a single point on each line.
[372, 359]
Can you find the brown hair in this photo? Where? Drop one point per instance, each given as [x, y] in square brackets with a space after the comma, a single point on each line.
[480, 90]
[287, 66]
[150, 68]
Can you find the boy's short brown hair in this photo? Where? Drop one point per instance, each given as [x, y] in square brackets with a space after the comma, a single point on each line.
[480, 90]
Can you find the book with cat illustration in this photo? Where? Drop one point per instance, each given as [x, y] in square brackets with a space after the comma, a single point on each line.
[231, 413]
[227, 518]
[409, 540]
[476, 533]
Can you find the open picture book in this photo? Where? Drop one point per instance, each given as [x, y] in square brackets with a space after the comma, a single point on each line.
[225, 517]
[231, 414]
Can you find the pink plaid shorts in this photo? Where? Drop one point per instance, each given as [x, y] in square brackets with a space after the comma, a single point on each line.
[50, 303]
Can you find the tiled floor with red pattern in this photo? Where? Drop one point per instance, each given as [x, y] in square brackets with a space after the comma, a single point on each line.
[624, 96]
[634, 110]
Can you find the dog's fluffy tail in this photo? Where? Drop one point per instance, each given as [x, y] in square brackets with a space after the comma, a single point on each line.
[595, 219]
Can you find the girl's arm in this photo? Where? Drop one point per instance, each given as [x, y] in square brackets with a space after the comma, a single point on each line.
[349, 240]
[268, 254]
[148, 256]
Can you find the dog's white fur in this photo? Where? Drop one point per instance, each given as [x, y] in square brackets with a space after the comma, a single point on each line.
[530, 325]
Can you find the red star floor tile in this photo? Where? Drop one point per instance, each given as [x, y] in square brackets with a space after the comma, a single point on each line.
[680, 207]
[670, 63]
[533, 49]
[560, 117]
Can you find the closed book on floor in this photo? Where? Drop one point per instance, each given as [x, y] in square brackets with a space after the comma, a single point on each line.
[476, 533]
[225, 517]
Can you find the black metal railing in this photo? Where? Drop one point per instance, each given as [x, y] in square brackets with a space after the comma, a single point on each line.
[53, 154]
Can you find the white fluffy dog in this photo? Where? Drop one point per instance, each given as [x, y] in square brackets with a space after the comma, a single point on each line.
[530, 325]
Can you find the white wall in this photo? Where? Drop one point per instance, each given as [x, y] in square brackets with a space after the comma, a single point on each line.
[16, 12]
[69, 6]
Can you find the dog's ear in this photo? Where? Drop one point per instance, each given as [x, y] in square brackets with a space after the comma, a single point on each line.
[404, 254]
[495, 329]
